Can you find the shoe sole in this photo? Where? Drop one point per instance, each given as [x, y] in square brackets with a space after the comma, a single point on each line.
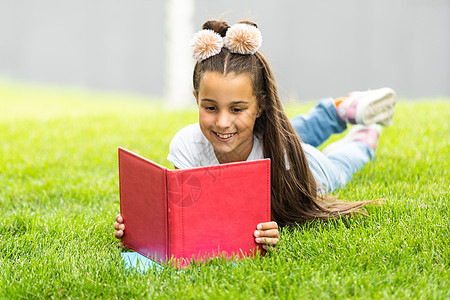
[347, 138]
[378, 110]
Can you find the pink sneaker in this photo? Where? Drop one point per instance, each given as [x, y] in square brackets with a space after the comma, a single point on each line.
[369, 135]
[369, 107]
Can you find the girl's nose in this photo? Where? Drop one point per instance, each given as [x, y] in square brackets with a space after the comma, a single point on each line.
[224, 120]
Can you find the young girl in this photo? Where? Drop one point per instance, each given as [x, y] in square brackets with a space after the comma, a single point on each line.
[241, 118]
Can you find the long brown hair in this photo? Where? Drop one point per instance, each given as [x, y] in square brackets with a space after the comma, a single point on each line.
[295, 196]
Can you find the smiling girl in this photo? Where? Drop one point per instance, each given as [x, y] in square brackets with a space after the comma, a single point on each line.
[241, 118]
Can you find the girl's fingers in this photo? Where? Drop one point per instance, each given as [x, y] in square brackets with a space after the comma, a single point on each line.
[267, 234]
[118, 234]
[119, 226]
[274, 233]
[267, 225]
[266, 241]
[119, 218]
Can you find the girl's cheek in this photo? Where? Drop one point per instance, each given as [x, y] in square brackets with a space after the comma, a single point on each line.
[206, 118]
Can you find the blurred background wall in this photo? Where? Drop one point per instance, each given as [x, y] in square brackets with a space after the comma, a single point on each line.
[316, 48]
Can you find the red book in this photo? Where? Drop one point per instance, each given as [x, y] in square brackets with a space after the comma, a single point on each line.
[197, 213]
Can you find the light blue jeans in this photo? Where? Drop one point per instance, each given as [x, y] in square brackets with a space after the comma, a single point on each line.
[336, 168]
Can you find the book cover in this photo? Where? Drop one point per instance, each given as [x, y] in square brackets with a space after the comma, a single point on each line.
[192, 214]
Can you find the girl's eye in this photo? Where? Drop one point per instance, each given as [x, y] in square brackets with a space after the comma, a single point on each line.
[210, 108]
[237, 110]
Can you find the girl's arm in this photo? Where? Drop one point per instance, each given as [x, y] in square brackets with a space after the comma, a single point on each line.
[267, 234]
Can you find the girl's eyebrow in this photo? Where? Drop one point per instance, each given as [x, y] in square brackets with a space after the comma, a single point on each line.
[234, 102]
[209, 100]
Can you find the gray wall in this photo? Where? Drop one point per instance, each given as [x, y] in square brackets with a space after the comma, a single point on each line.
[316, 48]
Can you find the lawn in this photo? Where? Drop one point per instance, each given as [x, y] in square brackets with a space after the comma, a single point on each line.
[59, 195]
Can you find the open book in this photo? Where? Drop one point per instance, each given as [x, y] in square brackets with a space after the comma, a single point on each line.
[198, 213]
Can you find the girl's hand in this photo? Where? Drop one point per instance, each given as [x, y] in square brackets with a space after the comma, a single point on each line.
[267, 234]
[119, 226]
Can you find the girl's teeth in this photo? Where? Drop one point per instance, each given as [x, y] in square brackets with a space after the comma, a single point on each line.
[224, 136]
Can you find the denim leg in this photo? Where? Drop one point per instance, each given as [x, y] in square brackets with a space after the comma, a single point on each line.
[322, 121]
[336, 168]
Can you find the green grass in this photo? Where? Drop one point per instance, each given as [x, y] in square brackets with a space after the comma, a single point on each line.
[59, 195]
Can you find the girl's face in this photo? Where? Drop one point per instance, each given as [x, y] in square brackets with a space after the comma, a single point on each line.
[228, 109]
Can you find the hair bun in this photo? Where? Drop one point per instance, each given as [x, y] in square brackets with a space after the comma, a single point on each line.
[220, 27]
[249, 23]
[243, 38]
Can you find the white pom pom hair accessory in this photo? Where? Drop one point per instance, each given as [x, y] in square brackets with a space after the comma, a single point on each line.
[243, 39]
[240, 38]
[206, 43]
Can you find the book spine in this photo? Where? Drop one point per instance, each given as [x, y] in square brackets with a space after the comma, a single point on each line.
[175, 214]
[166, 204]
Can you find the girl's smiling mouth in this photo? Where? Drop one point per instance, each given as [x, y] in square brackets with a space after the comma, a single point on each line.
[225, 137]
